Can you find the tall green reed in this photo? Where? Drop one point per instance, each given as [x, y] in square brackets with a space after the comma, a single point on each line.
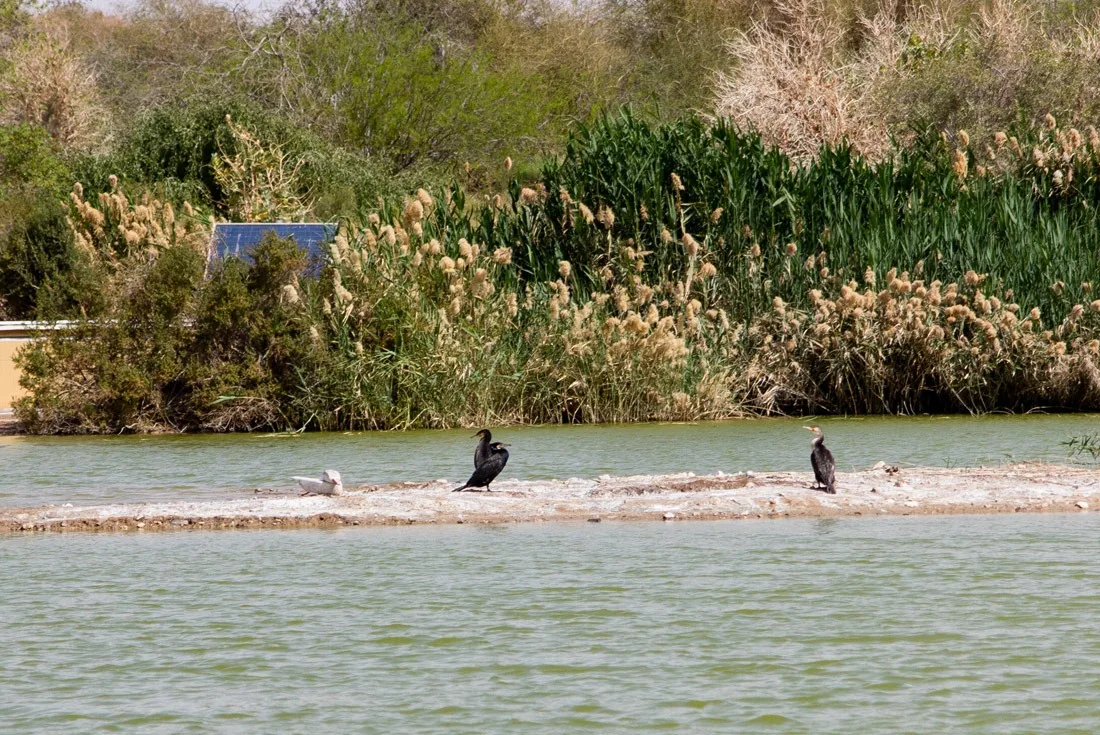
[1007, 218]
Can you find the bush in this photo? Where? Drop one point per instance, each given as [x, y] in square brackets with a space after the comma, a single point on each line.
[172, 151]
[822, 72]
[250, 353]
[28, 161]
[399, 99]
[990, 69]
[43, 275]
[175, 351]
[46, 83]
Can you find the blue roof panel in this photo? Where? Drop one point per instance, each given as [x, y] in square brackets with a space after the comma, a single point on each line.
[233, 239]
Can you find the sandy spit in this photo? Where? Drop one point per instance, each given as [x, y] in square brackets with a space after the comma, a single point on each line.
[1018, 488]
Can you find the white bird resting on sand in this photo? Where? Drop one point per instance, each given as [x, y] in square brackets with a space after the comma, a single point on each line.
[329, 484]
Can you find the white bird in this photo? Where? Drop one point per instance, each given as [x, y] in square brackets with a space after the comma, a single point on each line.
[329, 484]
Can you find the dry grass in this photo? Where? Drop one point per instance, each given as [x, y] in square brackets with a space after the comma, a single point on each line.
[48, 84]
[806, 78]
[914, 346]
[114, 228]
[793, 82]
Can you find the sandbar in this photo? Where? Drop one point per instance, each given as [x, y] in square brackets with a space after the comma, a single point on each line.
[881, 491]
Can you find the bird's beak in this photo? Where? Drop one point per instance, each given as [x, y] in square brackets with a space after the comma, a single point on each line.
[808, 428]
[505, 445]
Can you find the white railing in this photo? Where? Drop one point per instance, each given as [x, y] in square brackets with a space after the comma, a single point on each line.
[26, 330]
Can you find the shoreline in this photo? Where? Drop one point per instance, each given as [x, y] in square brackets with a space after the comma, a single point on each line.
[882, 491]
[9, 426]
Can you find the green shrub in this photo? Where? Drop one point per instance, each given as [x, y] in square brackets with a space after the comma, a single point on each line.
[399, 99]
[171, 149]
[250, 352]
[28, 161]
[42, 273]
[175, 350]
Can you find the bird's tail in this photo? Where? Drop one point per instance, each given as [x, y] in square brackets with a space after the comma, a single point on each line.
[460, 489]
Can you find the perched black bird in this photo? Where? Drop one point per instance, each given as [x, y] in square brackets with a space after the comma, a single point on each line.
[822, 461]
[483, 450]
[488, 470]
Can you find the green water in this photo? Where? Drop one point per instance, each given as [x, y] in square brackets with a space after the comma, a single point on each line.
[918, 625]
[85, 470]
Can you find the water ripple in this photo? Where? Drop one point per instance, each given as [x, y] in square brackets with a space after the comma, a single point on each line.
[975, 624]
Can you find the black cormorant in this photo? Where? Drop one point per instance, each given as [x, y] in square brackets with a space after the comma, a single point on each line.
[823, 462]
[488, 470]
[483, 449]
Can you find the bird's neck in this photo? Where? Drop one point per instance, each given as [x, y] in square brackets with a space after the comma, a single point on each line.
[817, 440]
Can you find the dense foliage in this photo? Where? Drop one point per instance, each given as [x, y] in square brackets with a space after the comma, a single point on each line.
[657, 209]
[657, 271]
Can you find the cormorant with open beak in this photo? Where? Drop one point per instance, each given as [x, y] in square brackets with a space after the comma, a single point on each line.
[823, 463]
[488, 470]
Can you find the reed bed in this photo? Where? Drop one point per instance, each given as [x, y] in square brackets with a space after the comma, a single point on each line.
[671, 272]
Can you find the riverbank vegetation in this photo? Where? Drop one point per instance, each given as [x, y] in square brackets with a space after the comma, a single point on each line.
[807, 207]
[673, 271]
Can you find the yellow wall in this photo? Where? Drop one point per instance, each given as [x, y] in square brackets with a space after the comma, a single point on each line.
[9, 376]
